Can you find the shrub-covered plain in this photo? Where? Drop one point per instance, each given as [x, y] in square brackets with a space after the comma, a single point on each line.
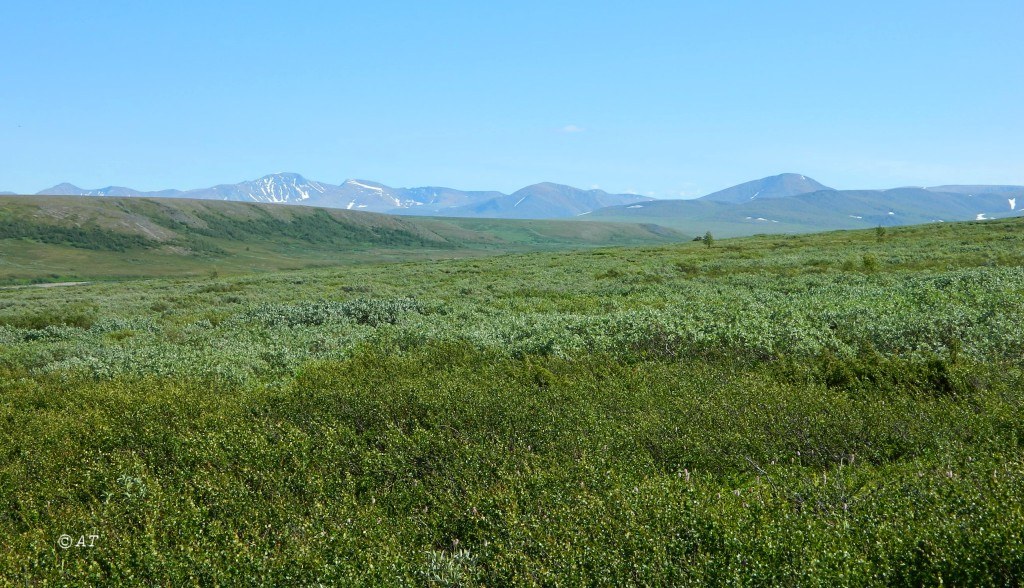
[835, 409]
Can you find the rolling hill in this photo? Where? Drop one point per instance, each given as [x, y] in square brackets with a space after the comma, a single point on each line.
[56, 238]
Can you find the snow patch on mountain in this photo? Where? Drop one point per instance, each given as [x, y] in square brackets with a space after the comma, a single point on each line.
[361, 185]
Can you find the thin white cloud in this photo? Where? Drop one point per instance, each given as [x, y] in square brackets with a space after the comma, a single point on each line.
[571, 129]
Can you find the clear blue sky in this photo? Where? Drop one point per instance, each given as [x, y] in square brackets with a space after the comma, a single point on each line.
[667, 98]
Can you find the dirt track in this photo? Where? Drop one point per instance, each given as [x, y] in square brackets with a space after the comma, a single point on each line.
[47, 285]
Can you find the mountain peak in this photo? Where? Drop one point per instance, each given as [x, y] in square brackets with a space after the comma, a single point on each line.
[363, 184]
[553, 188]
[780, 186]
[62, 189]
[545, 200]
[284, 176]
[279, 188]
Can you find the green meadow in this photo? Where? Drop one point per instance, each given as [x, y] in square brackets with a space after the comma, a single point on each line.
[838, 409]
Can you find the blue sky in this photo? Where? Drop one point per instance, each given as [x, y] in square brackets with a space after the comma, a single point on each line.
[664, 98]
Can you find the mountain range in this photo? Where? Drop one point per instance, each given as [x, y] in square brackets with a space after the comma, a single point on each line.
[782, 203]
[793, 203]
[544, 200]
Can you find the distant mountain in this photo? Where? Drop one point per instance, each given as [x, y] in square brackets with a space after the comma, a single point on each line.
[534, 202]
[376, 197]
[282, 188]
[289, 188]
[1012, 194]
[779, 186]
[819, 210]
[977, 190]
[436, 200]
[66, 189]
[545, 200]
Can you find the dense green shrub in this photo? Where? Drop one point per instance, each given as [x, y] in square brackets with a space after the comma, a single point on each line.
[319, 227]
[362, 311]
[220, 287]
[452, 463]
[70, 315]
[85, 237]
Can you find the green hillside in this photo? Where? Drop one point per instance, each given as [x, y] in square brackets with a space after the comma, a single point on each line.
[73, 238]
[843, 408]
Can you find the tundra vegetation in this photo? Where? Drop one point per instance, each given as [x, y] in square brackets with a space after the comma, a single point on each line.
[832, 409]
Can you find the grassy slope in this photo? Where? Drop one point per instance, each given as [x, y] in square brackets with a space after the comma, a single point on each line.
[54, 238]
[842, 408]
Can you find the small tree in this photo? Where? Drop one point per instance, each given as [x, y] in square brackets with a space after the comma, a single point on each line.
[880, 233]
[709, 239]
